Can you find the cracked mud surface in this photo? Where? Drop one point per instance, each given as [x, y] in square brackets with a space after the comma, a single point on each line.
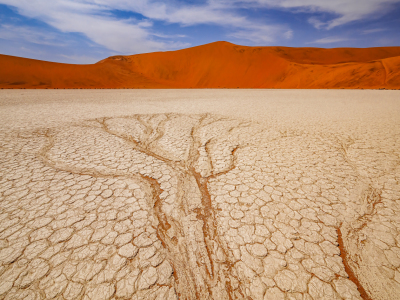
[199, 205]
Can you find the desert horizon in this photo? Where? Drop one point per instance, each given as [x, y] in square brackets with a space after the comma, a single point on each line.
[216, 65]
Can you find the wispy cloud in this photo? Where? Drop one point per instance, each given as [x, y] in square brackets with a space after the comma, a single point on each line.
[375, 30]
[77, 59]
[30, 35]
[94, 21]
[316, 22]
[259, 35]
[328, 40]
[344, 11]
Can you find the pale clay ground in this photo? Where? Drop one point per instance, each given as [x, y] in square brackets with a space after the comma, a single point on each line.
[199, 194]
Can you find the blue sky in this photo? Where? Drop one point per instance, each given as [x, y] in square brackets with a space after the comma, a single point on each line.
[85, 31]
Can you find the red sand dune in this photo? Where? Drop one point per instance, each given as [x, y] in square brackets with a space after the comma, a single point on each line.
[216, 65]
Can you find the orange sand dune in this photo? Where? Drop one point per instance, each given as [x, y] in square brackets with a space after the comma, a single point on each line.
[216, 65]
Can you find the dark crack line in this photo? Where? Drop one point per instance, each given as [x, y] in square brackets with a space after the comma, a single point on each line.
[206, 214]
[349, 271]
[180, 263]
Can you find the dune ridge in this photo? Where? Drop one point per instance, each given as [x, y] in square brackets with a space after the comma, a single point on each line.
[216, 65]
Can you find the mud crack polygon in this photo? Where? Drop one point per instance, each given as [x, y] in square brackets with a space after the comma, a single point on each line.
[174, 206]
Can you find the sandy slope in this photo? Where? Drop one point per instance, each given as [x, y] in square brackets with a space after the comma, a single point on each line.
[216, 65]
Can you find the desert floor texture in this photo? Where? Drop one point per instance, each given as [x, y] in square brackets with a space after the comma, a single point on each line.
[199, 194]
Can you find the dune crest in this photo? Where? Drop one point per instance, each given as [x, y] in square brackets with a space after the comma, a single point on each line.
[216, 65]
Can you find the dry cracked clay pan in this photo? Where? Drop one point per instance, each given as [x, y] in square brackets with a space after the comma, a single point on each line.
[178, 206]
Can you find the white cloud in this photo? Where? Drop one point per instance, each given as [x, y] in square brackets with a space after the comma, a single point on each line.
[329, 40]
[93, 19]
[213, 12]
